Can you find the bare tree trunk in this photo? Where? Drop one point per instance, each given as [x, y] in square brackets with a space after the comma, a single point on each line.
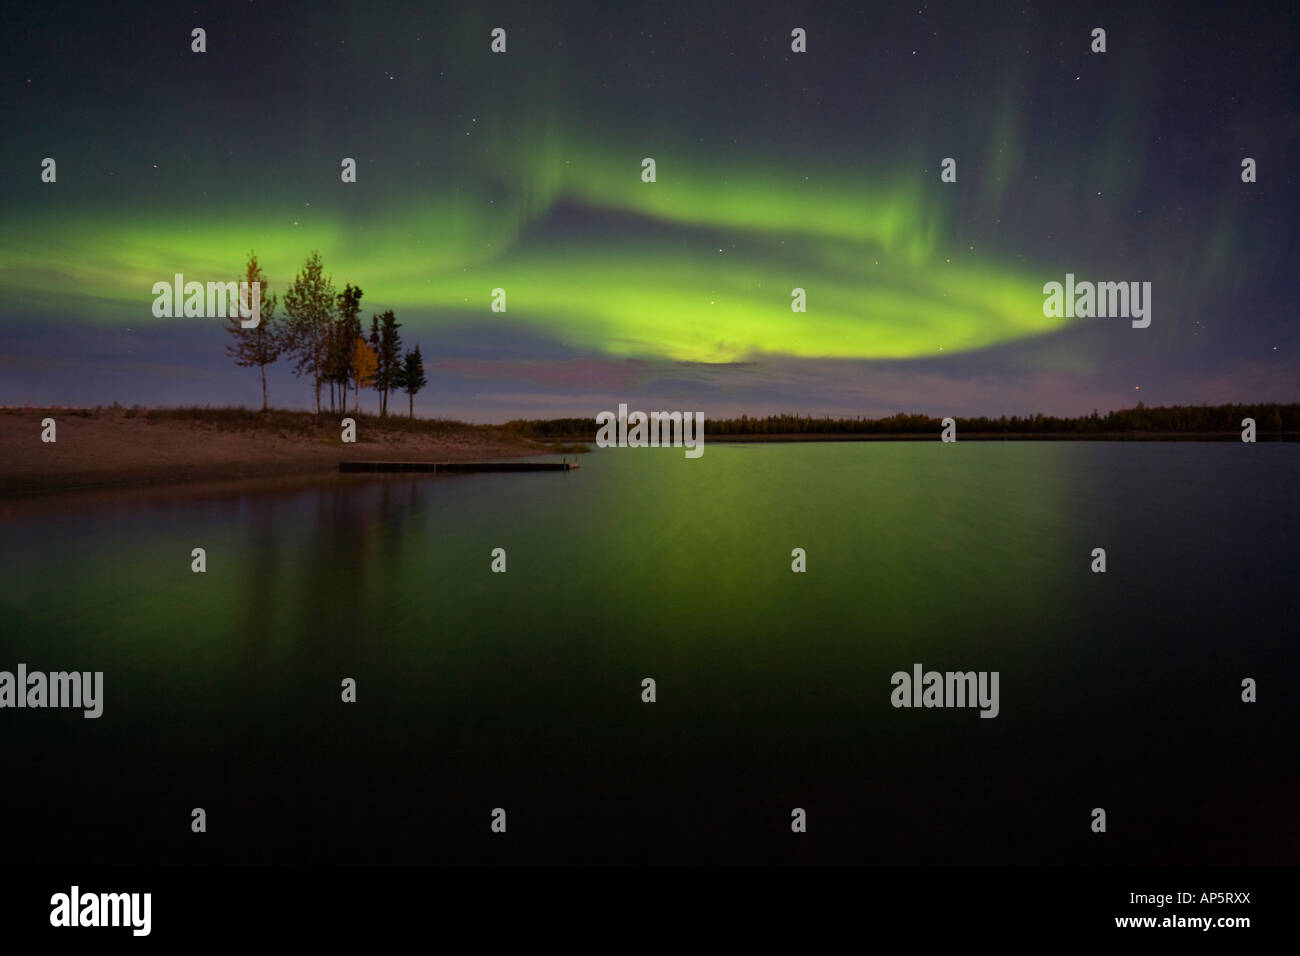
[263, 368]
[410, 398]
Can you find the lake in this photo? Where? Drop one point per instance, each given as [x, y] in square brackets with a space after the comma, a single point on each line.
[523, 690]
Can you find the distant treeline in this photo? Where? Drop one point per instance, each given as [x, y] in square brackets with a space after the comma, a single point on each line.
[1184, 419]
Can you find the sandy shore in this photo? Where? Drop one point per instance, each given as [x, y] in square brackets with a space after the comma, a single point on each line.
[111, 447]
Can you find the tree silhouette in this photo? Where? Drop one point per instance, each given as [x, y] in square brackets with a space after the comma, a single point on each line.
[260, 345]
[389, 349]
[410, 378]
[309, 305]
[344, 332]
[364, 363]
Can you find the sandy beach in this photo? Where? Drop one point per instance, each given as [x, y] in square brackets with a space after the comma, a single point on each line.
[107, 447]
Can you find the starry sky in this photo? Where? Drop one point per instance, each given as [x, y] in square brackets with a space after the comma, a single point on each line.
[775, 170]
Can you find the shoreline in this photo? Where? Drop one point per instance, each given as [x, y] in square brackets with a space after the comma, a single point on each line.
[101, 449]
[973, 436]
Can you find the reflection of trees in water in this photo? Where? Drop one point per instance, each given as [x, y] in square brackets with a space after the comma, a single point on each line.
[260, 594]
[352, 549]
[317, 566]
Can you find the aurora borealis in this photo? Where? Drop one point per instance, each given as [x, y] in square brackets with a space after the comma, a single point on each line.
[774, 171]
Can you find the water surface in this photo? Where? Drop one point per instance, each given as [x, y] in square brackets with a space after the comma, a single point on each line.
[523, 690]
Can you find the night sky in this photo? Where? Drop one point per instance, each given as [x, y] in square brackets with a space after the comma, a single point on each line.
[775, 170]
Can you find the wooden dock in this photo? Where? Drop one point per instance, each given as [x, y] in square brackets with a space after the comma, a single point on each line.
[454, 467]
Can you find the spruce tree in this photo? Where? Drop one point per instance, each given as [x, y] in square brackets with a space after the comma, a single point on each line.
[412, 379]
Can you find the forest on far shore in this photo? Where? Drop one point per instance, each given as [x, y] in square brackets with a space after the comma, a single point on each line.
[1270, 421]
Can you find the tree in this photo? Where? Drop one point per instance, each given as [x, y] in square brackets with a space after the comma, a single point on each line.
[309, 306]
[343, 335]
[364, 363]
[260, 345]
[337, 356]
[388, 346]
[1273, 419]
[411, 378]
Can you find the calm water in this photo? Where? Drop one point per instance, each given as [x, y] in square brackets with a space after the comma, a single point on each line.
[523, 690]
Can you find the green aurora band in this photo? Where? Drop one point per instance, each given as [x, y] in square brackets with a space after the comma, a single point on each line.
[706, 275]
